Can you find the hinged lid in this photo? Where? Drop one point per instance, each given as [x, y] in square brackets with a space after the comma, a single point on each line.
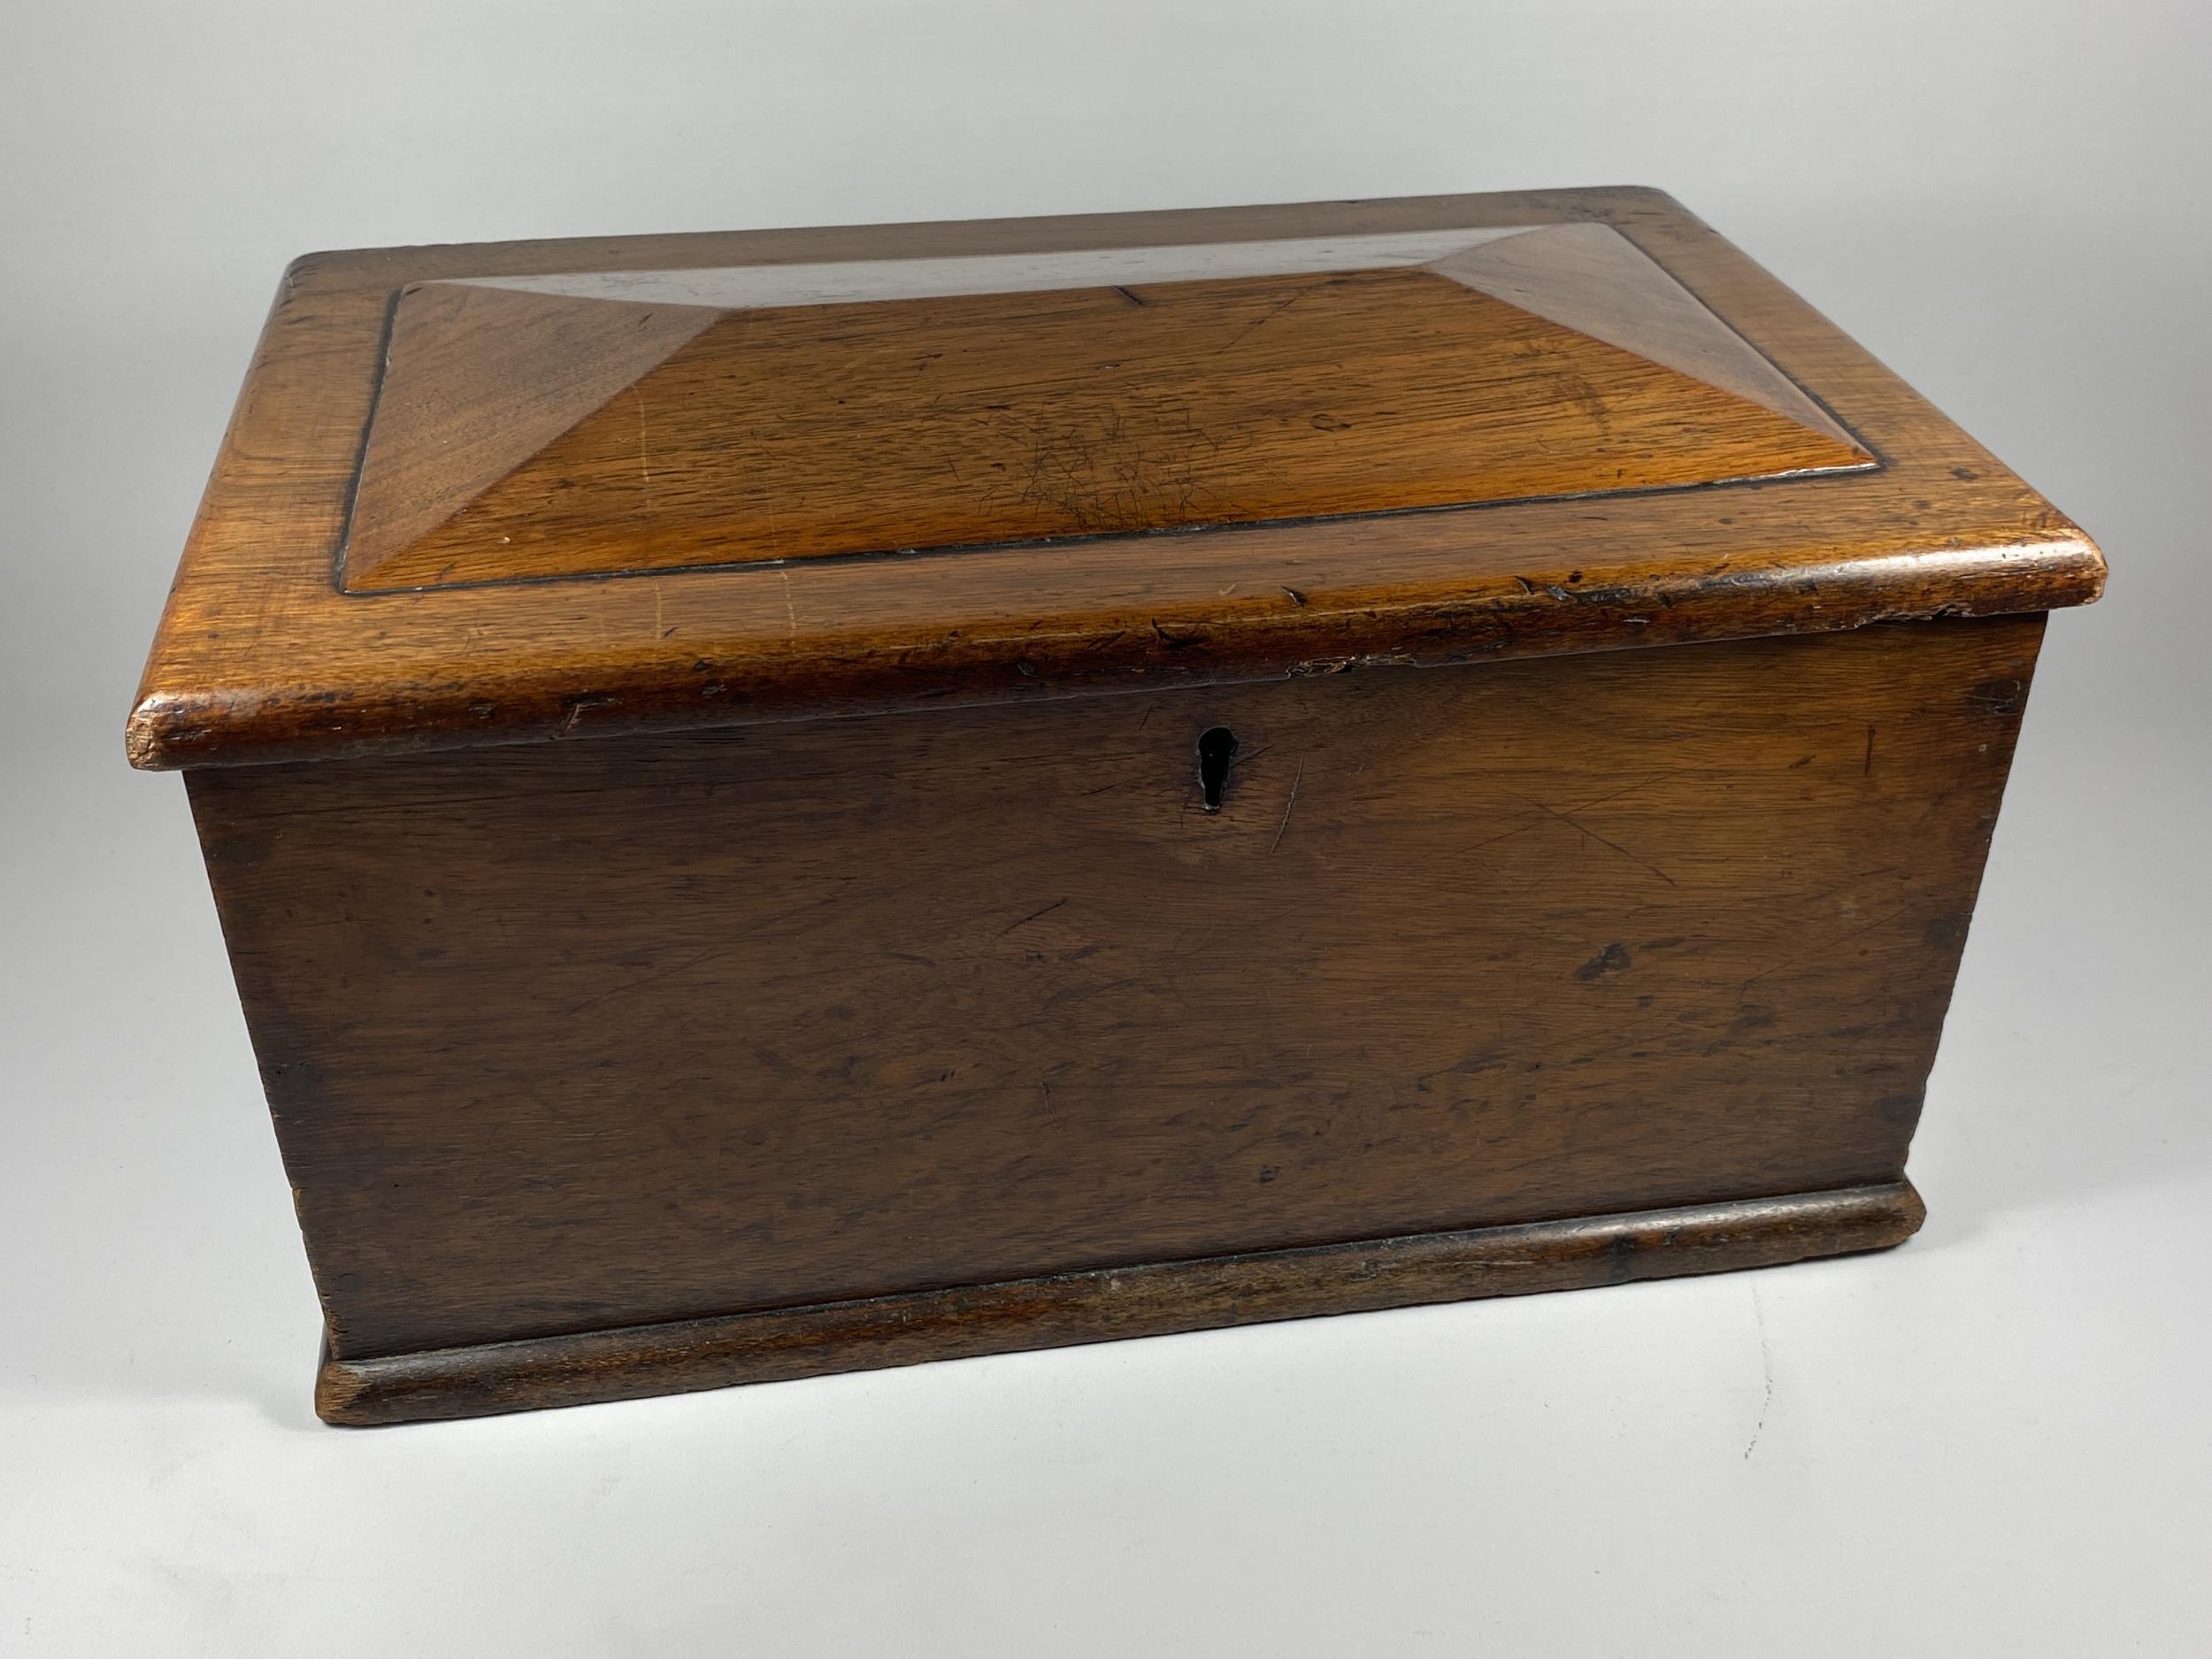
[487, 494]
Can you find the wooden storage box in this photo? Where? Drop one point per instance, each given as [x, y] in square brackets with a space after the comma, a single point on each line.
[802, 799]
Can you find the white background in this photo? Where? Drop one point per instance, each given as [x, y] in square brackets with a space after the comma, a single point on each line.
[1996, 1440]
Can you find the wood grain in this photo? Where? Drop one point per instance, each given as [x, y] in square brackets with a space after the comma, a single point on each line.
[261, 656]
[564, 1038]
[1152, 1300]
[478, 380]
[672, 436]
[700, 917]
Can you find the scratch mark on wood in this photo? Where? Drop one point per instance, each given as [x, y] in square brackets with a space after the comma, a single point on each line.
[1272, 313]
[576, 707]
[1032, 916]
[685, 966]
[1633, 789]
[1283, 828]
[1569, 818]
[1824, 946]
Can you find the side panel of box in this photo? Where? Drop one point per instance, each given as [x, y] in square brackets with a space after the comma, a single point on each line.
[577, 1036]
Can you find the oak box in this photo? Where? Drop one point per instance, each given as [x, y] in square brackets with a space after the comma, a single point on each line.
[801, 800]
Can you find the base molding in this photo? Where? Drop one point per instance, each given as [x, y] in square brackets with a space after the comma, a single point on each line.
[1154, 1299]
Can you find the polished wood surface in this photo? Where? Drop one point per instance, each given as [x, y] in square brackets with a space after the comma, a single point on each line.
[264, 655]
[1155, 1299]
[700, 919]
[561, 1038]
[477, 381]
[684, 435]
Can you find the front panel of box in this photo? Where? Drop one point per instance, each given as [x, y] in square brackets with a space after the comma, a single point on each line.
[570, 1036]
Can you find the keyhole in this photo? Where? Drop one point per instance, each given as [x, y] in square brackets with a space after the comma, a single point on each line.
[1216, 748]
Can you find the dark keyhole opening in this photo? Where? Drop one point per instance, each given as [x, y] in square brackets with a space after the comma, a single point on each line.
[1216, 748]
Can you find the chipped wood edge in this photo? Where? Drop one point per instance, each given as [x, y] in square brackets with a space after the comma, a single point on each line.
[1151, 1299]
[1498, 620]
[2007, 552]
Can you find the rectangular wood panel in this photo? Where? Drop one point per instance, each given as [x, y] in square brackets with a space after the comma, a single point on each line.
[586, 1034]
[579, 425]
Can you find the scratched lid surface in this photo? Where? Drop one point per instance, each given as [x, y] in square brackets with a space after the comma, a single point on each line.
[493, 493]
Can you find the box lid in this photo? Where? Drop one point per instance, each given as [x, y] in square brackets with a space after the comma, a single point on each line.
[508, 491]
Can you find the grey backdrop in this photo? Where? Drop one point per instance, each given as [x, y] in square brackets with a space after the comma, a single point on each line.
[1993, 1441]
